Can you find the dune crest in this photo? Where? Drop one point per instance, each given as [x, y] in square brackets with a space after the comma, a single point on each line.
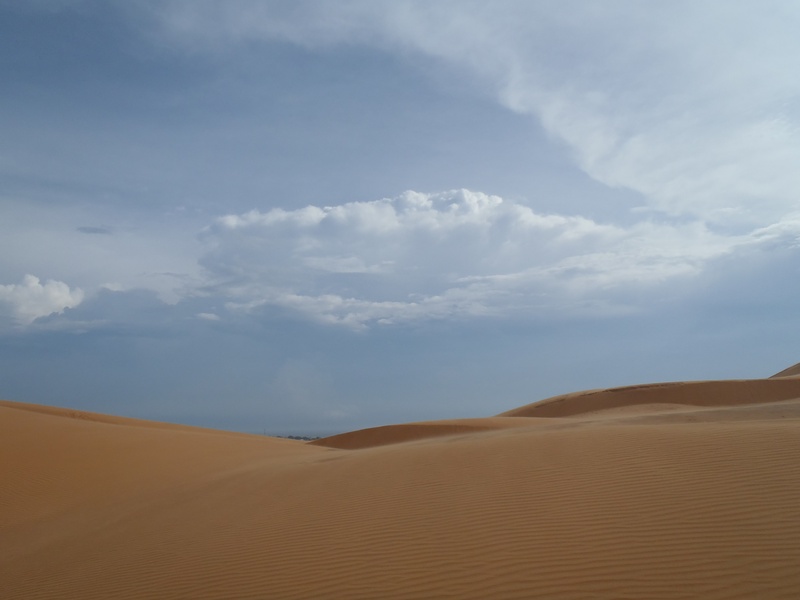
[84, 415]
[793, 371]
[664, 491]
[691, 393]
[422, 430]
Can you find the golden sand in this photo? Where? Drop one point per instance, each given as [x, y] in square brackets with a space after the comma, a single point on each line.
[680, 490]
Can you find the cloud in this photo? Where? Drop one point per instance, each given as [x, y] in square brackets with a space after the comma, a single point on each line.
[31, 299]
[134, 251]
[93, 230]
[694, 106]
[451, 254]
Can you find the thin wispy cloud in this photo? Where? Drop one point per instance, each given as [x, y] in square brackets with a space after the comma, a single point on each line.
[688, 104]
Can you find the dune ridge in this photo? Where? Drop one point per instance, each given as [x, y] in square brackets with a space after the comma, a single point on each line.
[667, 491]
[692, 393]
[793, 371]
[409, 432]
[84, 415]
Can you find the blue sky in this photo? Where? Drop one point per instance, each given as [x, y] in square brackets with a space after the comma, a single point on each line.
[316, 216]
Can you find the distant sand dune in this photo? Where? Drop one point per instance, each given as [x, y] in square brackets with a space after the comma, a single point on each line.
[405, 432]
[668, 491]
[693, 393]
[793, 371]
[96, 417]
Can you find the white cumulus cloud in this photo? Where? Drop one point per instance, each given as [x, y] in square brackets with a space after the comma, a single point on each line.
[31, 299]
[448, 254]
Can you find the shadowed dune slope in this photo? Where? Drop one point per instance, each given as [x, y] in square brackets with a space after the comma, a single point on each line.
[681, 500]
[407, 432]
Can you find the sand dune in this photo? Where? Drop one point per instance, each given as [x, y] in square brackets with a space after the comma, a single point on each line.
[694, 393]
[407, 432]
[793, 371]
[686, 490]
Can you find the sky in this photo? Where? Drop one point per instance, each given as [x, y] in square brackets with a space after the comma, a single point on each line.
[311, 216]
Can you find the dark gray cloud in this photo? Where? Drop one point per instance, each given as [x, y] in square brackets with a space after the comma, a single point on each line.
[94, 230]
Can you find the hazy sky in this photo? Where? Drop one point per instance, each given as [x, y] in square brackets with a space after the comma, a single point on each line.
[314, 216]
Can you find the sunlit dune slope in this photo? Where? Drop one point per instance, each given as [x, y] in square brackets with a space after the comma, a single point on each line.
[692, 393]
[693, 494]
[793, 371]
[57, 460]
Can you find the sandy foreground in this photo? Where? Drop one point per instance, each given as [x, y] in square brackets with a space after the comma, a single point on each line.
[679, 490]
